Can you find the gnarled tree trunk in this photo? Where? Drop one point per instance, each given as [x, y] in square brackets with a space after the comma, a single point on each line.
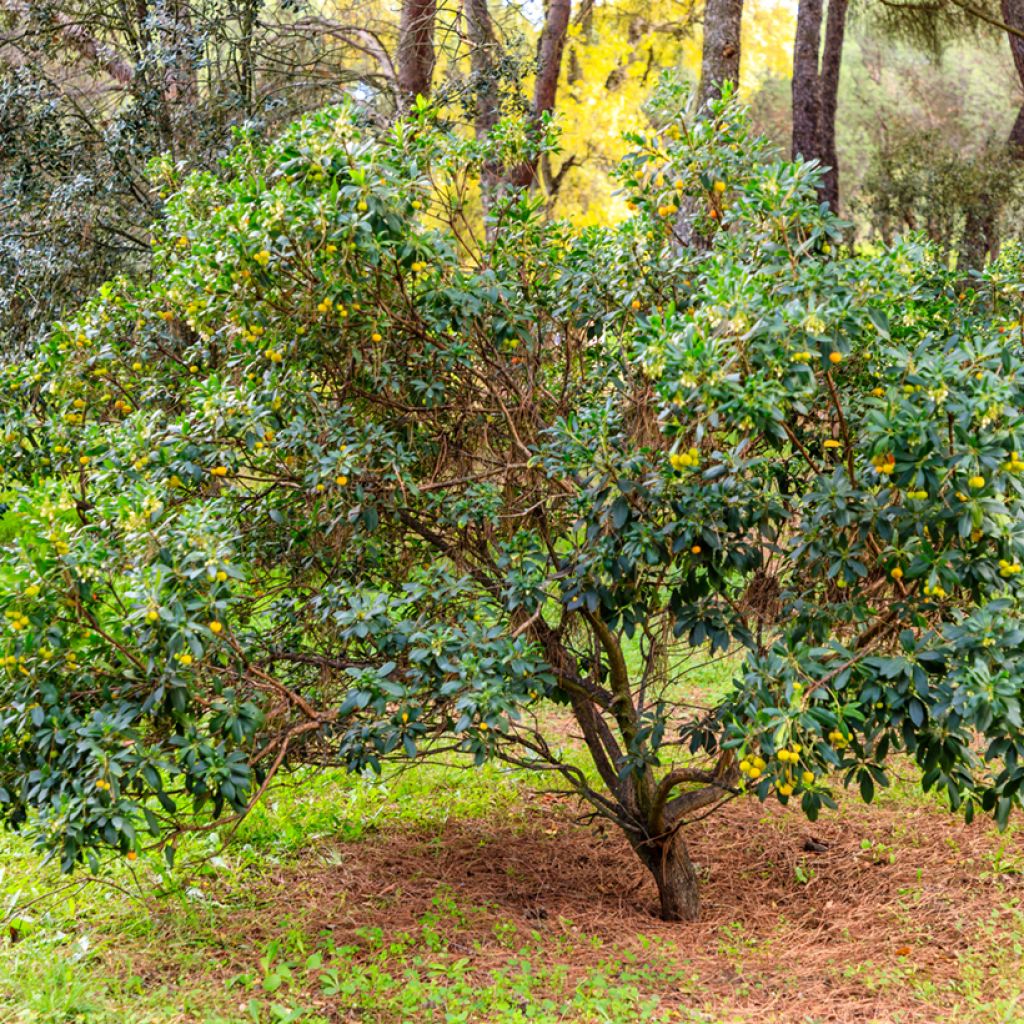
[638, 802]
[675, 876]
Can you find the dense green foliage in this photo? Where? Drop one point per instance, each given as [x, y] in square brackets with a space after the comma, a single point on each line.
[92, 91]
[349, 481]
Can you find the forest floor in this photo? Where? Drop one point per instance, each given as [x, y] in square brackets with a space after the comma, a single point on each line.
[451, 895]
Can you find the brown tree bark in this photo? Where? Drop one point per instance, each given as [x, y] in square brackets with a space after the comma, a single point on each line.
[549, 68]
[549, 56]
[483, 53]
[416, 49]
[483, 64]
[674, 874]
[1013, 15]
[816, 74]
[831, 66]
[806, 80]
[720, 60]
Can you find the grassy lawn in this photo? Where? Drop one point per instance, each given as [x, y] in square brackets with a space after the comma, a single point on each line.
[445, 894]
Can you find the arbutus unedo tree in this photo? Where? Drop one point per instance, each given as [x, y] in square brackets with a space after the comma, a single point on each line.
[347, 483]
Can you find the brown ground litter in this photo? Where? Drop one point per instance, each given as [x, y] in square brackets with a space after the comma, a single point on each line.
[871, 929]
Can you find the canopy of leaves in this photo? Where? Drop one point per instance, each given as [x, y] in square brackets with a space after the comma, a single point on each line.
[350, 480]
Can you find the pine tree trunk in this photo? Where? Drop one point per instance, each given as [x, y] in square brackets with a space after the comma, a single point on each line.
[545, 88]
[831, 65]
[1013, 15]
[981, 238]
[720, 61]
[416, 48]
[674, 875]
[806, 81]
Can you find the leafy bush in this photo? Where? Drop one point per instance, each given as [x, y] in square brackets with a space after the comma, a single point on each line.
[353, 480]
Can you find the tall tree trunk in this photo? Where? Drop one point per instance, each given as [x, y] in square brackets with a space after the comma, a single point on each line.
[416, 49]
[549, 56]
[483, 64]
[831, 66]
[806, 80]
[720, 61]
[483, 51]
[181, 81]
[1013, 15]
[144, 88]
[674, 874]
[247, 55]
[549, 68]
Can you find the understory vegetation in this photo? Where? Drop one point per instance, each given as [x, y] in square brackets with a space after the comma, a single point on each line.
[364, 899]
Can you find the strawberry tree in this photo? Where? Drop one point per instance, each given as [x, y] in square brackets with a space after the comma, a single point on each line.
[354, 478]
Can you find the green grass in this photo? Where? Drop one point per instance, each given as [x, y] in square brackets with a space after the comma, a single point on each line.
[69, 963]
[201, 944]
[91, 953]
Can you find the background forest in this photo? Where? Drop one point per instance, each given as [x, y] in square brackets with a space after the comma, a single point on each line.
[922, 105]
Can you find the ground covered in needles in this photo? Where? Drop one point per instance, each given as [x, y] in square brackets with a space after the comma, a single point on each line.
[443, 894]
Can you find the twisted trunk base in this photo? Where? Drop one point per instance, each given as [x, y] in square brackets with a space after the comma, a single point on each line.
[675, 877]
